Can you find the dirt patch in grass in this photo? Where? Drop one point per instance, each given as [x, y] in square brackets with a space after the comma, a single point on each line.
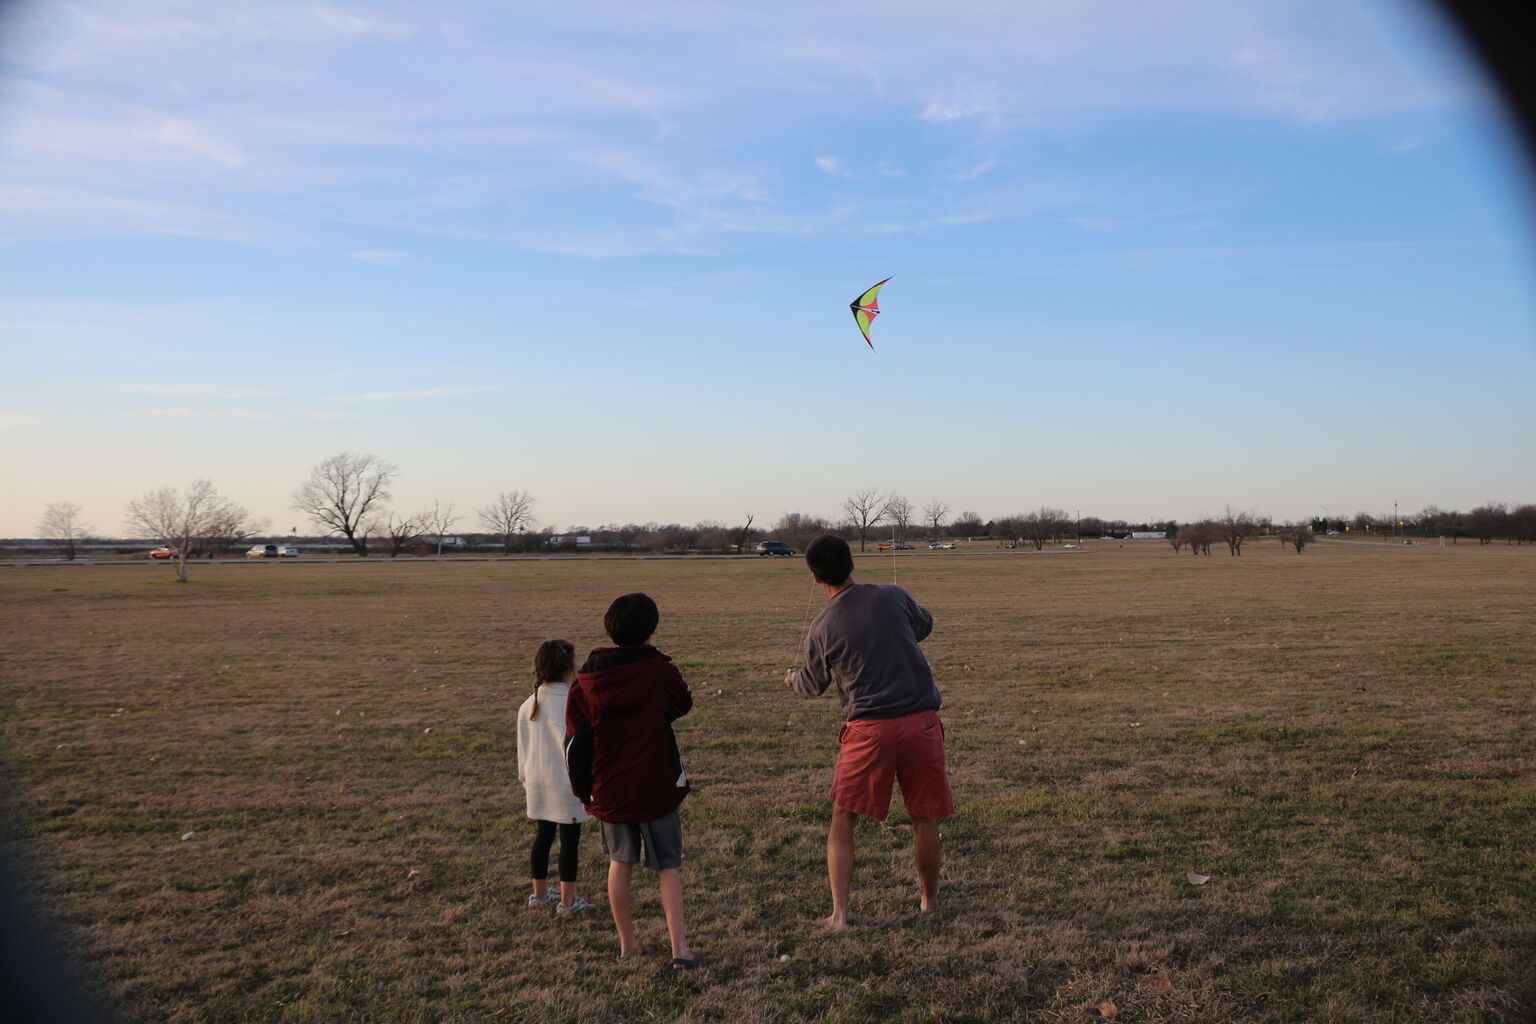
[285, 792]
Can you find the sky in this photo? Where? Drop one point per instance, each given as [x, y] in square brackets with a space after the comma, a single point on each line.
[1147, 260]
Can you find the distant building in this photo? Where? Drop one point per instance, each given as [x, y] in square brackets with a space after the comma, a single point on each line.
[1149, 535]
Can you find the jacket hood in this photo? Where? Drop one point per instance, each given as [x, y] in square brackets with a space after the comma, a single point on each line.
[618, 679]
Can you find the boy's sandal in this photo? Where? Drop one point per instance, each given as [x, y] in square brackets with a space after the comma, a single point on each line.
[679, 963]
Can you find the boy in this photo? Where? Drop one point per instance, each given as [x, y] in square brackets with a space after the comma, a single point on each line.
[629, 695]
[867, 639]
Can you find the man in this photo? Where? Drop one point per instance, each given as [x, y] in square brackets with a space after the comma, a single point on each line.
[866, 638]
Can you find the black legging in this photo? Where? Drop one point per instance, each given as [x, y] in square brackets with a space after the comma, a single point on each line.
[544, 838]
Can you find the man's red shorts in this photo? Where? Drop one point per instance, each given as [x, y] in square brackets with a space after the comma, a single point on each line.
[909, 750]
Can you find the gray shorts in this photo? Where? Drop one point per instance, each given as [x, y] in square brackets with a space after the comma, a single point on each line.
[662, 840]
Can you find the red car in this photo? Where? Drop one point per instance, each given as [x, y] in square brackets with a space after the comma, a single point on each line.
[164, 553]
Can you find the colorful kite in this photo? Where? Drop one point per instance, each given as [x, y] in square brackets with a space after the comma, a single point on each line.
[865, 308]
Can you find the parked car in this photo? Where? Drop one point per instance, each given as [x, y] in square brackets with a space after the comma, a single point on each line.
[774, 547]
[899, 545]
[164, 553]
[262, 551]
[941, 545]
[288, 551]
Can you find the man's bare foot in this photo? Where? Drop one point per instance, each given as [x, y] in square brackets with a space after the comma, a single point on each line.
[633, 954]
[835, 922]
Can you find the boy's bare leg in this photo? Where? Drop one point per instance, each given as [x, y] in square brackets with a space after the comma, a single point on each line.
[840, 864]
[618, 902]
[928, 850]
[671, 880]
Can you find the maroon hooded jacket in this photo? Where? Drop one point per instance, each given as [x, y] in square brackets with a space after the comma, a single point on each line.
[630, 696]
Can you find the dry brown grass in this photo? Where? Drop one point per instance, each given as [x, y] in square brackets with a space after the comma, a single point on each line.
[1342, 740]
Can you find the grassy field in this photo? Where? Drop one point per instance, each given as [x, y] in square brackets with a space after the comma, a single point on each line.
[285, 791]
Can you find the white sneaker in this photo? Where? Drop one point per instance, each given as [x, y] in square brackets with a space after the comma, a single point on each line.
[573, 907]
[545, 900]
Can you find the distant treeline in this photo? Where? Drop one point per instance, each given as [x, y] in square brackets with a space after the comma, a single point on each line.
[348, 496]
[1485, 524]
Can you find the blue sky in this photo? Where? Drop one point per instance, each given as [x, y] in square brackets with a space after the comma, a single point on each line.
[1148, 259]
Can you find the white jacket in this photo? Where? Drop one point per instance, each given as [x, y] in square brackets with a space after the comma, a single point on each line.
[541, 758]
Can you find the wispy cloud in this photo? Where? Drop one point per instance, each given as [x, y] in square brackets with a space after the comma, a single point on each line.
[975, 170]
[968, 100]
[182, 133]
[186, 412]
[383, 257]
[1099, 223]
[189, 413]
[10, 420]
[389, 396]
[834, 166]
[196, 390]
[531, 132]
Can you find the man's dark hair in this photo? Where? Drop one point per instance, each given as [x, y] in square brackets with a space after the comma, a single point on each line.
[830, 559]
[631, 619]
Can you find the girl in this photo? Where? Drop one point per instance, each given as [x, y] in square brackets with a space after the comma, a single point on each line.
[541, 767]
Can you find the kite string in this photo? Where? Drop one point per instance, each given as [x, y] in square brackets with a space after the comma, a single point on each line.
[805, 626]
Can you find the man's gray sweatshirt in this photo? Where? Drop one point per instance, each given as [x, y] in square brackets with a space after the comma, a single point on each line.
[866, 639]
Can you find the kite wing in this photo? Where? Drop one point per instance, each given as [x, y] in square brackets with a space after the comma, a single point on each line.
[865, 308]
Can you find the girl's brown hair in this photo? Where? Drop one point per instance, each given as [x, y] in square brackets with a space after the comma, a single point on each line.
[554, 660]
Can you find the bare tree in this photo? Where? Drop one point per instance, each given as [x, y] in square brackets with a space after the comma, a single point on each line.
[1449, 524]
[1487, 521]
[1199, 536]
[63, 521]
[1298, 535]
[798, 530]
[1235, 528]
[866, 509]
[1522, 522]
[744, 535]
[1176, 537]
[1041, 524]
[713, 535]
[1008, 530]
[344, 492]
[507, 516]
[967, 524]
[225, 531]
[934, 514]
[402, 533]
[899, 511]
[182, 521]
[439, 522]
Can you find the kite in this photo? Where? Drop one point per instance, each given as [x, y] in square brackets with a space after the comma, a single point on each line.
[865, 308]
